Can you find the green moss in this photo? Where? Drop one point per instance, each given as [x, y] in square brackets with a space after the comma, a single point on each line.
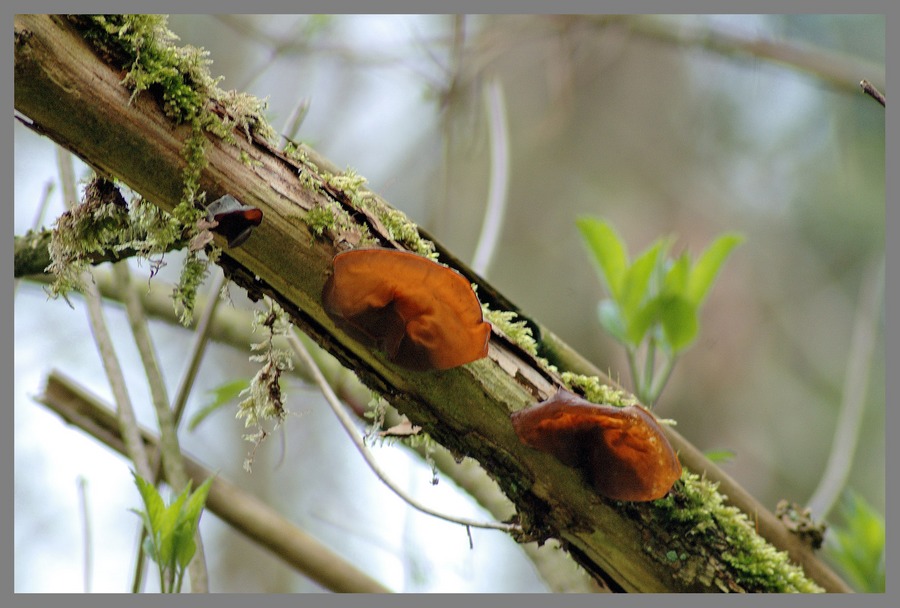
[397, 225]
[179, 77]
[320, 219]
[597, 391]
[517, 331]
[698, 509]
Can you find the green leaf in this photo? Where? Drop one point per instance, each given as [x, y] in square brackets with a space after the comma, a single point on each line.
[859, 546]
[153, 502]
[222, 395]
[637, 280]
[167, 529]
[679, 321]
[676, 280]
[719, 456]
[197, 501]
[708, 265]
[150, 548]
[611, 320]
[185, 546]
[608, 250]
[642, 321]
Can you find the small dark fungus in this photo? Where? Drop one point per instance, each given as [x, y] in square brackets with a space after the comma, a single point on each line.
[235, 220]
[621, 450]
[421, 314]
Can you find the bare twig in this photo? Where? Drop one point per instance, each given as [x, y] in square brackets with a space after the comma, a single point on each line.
[38, 219]
[849, 422]
[837, 70]
[347, 422]
[293, 122]
[201, 338]
[127, 418]
[870, 90]
[86, 530]
[170, 450]
[202, 334]
[497, 195]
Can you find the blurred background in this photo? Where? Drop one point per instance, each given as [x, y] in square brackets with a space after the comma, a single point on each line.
[643, 121]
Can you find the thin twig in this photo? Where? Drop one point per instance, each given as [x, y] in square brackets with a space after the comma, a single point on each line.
[849, 422]
[170, 450]
[38, 219]
[293, 122]
[86, 530]
[499, 186]
[347, 422]
[127, 418]
[870, 90]
[838, 70]
[201, 338]
[202, 335]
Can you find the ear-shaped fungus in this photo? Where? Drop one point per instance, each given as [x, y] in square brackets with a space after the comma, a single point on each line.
[235, 219]
[621, 450]
[422, 314]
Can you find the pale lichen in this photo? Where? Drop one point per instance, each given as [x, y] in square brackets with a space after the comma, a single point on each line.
[597, 391]
[398, 226]
[264, 399]
[179, 77]
[105, 225]
[517, 331]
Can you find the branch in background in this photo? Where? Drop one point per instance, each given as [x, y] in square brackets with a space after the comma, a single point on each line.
[837, 70]
[86, 530]
[495, 209]
[245, 513]
[870, 90]
[103, 340]
[38, 221]
[849, 422]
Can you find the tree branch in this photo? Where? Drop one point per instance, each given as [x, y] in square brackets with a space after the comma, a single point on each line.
[76, 99]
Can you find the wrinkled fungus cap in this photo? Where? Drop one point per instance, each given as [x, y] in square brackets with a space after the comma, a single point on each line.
[423, 315]
[621, 450]
[235, 219]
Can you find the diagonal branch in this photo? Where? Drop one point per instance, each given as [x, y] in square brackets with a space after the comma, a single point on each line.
[465, 409]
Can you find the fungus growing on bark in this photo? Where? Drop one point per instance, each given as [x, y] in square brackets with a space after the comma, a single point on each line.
[621, 450]
[235, 219]
[421, 314]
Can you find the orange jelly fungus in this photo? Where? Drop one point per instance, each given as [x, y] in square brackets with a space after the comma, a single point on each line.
[422, 314]
[621, 450]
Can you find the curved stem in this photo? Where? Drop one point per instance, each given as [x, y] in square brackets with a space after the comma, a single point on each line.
[849, 422]
[347, 422]
[496, 203]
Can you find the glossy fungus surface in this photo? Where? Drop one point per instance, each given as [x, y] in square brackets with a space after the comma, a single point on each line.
[621, 450]
[421, 314]
[235, 219]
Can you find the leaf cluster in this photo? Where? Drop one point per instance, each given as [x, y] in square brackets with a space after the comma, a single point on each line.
[171, 529]
[654, 301]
